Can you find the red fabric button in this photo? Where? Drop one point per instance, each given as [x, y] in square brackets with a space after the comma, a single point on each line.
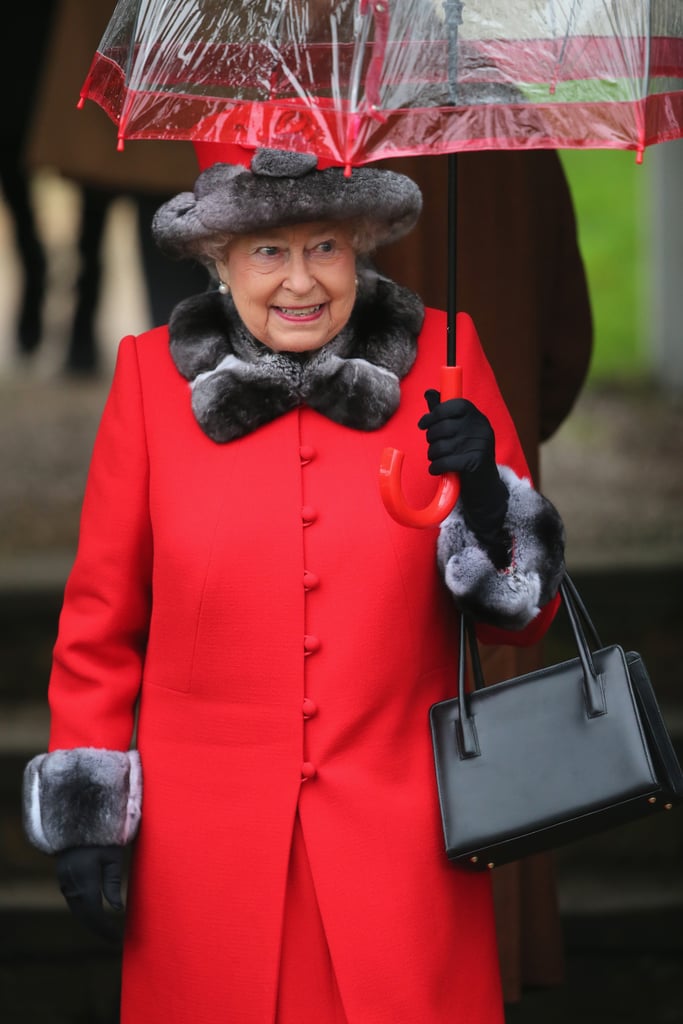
[306, 453]
[311, 644]
[310, 708]
[308, 515]
[311, 580]
[308, 771]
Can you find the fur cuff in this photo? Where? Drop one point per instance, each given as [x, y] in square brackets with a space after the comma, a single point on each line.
[508, 598]
[82, 797]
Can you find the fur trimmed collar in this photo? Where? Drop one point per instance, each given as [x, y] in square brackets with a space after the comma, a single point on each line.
[238, 384]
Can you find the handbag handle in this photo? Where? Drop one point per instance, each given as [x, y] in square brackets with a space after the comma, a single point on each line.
[569, 585]
[593, 681]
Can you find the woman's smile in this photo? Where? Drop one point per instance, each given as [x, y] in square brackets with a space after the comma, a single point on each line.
[299, 313]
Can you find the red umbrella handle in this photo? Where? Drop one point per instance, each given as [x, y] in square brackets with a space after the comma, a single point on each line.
[390, 473]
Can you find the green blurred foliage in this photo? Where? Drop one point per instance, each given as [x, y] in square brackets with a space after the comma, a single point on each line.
[610, 197]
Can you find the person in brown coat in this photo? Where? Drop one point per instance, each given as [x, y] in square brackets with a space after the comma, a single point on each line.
[521, 277]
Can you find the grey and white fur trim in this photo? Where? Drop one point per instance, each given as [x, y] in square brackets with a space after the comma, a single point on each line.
[82, 797]
[508, 598]
[282, 188]
[238, 384]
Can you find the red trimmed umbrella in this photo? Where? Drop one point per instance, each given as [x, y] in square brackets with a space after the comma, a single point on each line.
[355, 81]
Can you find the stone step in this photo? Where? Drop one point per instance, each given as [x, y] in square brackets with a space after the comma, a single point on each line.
[29, 619]
[603, 890]
[35, 896]
[53, 971]
[24, 727]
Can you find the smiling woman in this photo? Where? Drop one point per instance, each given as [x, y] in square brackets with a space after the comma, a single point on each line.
[242, 596]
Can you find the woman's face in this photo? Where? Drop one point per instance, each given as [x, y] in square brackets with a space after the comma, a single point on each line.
[294, 287]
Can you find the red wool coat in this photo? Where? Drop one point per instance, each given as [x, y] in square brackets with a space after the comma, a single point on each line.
[286, 639]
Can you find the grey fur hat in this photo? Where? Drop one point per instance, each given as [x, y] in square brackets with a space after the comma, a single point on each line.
[282, 188]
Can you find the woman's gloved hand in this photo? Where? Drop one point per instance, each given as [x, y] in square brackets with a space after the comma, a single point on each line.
[461, 440]
[85, 874]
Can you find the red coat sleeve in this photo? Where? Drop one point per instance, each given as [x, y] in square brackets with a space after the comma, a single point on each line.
[98, 656]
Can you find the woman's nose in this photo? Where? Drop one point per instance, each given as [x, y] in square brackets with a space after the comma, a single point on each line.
[298, 276]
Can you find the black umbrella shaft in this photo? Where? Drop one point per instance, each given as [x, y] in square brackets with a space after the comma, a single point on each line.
[454, 17]
[452, 257]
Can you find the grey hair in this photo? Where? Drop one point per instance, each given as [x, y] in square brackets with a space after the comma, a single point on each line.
[212, 248]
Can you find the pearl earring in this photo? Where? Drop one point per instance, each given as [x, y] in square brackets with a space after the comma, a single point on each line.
[223, 288]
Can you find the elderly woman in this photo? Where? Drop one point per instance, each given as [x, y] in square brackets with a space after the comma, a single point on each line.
[243, 609]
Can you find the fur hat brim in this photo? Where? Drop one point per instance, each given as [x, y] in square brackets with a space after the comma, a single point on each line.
[285, 188]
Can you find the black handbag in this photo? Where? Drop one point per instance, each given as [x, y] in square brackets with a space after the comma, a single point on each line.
[546, 758]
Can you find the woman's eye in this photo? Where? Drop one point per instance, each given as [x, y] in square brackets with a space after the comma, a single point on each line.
[268, 250]
[328, 246]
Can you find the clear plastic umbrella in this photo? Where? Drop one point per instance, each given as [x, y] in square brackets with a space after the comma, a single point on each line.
[360, 80]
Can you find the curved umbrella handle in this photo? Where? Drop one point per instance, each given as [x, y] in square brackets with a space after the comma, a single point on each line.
[392, 462]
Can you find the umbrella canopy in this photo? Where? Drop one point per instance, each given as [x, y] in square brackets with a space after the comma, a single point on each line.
[361, 80]
[354, 81]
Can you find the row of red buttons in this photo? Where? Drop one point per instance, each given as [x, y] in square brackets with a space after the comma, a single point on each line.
[311, 643]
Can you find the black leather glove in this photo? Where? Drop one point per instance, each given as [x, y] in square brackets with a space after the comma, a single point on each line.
[461, 440]
[85, 873]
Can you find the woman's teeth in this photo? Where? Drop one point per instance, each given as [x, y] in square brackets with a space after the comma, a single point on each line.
[300, 311]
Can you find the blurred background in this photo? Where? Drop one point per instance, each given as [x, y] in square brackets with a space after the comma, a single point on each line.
[614, 468]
